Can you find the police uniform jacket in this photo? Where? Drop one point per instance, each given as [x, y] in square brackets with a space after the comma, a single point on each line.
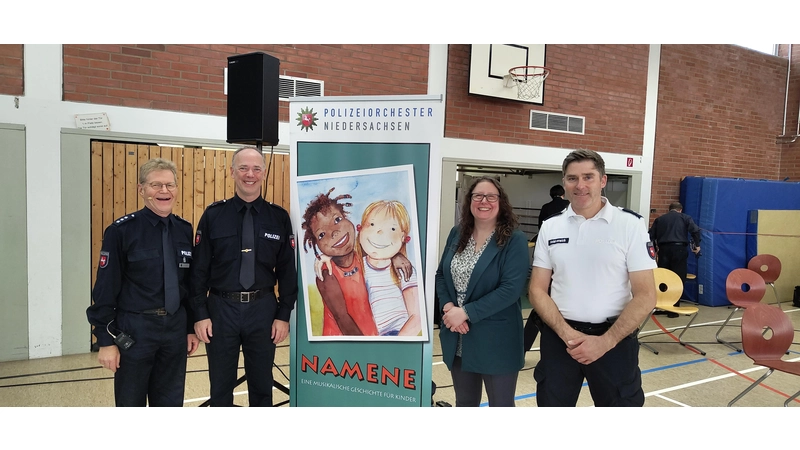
[494, 342]
[552, 208]
[674, 228]
[218, 251]
[130, 275]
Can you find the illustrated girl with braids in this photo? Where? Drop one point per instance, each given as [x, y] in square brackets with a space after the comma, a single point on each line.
[344, 294]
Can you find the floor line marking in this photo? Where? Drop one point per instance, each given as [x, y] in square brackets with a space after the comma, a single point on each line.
[673, 401]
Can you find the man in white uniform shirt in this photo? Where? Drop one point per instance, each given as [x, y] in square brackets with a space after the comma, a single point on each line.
[601, 262]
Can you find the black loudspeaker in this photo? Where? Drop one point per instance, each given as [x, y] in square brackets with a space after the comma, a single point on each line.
[253, 81]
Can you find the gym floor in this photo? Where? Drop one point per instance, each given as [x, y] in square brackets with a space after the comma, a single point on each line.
[677, 376]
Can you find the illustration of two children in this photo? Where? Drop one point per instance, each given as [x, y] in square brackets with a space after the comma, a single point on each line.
[362, 292]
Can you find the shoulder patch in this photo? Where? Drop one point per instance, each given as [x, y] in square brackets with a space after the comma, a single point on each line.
[124, 219]
[631, 212]
[103, 260]
[218, 202]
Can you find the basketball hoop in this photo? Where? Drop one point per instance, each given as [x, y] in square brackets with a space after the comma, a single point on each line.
[528, 79]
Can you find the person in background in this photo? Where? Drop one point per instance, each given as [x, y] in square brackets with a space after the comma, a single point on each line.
[600, 260]
[554, 206]
[141, 295]
[549, 209]
[670, 234]
[479, 281]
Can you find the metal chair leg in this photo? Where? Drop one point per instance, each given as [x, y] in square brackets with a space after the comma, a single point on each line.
[789, 400]
[775, 291]
[750, 388]
[644, 344]
[722, 341]
[685, 344]
[640, 330]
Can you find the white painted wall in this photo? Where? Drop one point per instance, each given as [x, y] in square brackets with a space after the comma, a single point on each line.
[43, 114]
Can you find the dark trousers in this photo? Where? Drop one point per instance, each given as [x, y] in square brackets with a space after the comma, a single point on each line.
[499, 388]
[531, 330]
[248, 325]
[533, 324]
[153, 370]
[674, 257]
[614, 379]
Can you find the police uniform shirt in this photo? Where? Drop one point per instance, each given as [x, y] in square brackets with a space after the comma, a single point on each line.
[130, 274]
[218, 251]
[590, 260]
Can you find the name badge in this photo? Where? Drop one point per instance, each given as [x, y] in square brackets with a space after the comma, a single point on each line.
[183, 265]
[558, 241]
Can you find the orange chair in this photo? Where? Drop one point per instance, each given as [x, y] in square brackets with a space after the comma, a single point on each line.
[769, 267]
[669, 288]
[743, 288]
[765, 349]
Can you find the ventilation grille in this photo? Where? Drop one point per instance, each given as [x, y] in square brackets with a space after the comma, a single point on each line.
[556, 122]
[299, 87]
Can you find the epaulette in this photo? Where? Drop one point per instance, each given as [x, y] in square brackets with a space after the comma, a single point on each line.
[630, 212]
[124, 219]
[278, 206]
[218, 202]
[182, 219]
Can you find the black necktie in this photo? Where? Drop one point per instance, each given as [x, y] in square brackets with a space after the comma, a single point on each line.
[247, 271]
[172, 294]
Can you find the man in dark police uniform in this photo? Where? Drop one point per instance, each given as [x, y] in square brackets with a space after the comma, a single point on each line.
[670, 234]
[141, 294]
[243, 247]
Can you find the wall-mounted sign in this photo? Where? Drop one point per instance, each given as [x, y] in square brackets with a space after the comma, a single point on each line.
[97, 121]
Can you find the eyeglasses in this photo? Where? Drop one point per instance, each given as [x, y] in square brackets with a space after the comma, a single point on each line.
[157, 185]
[491, 198]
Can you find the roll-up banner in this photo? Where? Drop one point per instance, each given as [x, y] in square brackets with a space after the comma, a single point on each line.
[366, 176]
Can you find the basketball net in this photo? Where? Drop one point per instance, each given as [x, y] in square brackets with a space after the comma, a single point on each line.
[529, 80]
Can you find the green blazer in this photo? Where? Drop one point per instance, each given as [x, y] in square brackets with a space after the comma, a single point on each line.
[494, 343]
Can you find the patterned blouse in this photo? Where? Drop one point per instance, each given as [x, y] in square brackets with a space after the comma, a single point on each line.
[461, 269]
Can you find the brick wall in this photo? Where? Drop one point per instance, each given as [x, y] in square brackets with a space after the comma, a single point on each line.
[189, 78]
[604, 83]
[790, 152]
[720, 108]
[11, 81]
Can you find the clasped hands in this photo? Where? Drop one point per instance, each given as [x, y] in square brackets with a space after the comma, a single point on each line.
[585, 348]
[455, 319]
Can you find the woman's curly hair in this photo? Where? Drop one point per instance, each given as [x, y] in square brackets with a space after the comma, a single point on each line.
[507, 221]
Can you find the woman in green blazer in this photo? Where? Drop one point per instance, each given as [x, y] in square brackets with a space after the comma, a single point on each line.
[480, 279]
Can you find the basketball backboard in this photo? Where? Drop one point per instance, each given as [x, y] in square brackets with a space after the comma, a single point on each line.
[489, 63]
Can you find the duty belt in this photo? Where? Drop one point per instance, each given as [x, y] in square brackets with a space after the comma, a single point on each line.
[150, 312]
[595, 329]
[241, 297]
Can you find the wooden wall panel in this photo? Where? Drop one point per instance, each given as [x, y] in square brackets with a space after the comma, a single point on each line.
[203, 178]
